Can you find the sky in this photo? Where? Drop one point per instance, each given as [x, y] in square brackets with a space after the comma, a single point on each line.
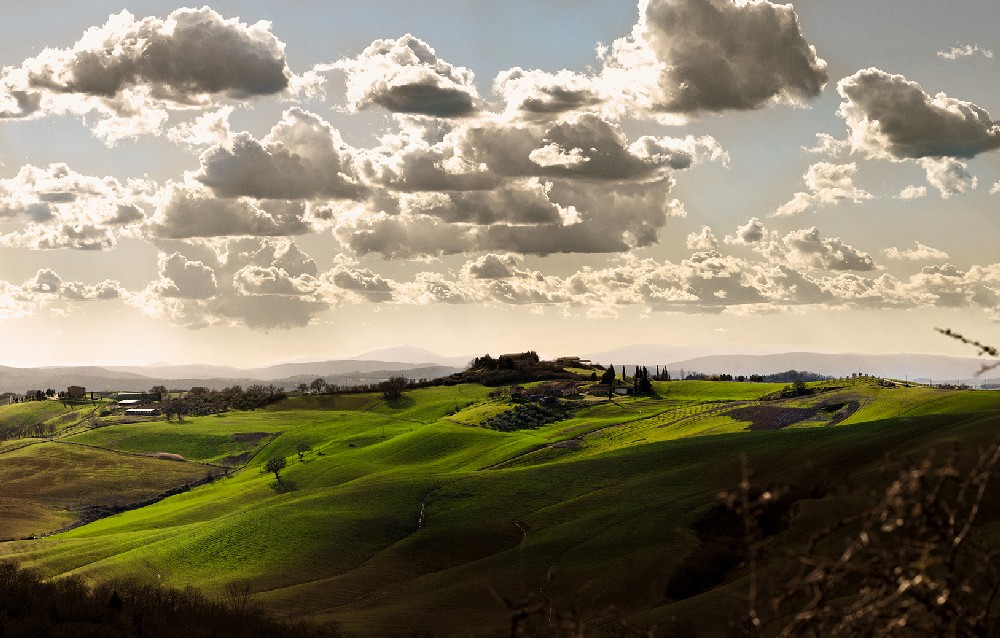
[246, 183]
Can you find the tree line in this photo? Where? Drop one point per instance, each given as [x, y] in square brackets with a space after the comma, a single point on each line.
[202, 401]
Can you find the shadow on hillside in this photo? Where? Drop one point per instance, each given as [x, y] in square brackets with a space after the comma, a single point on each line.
[283, 486]
[401, 403]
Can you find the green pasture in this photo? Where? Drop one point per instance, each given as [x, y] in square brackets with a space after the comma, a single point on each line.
[405, 516]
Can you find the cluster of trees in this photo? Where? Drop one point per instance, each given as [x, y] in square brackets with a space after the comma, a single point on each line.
[789, 376]
[525, 416]
[641, 381]
[39, 395]
[31, 606]
[202, 401]
[13, 430]
[510, 369]
[320, 386]
[522, 360]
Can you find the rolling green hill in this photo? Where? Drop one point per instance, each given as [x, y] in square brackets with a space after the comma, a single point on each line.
[408, 516]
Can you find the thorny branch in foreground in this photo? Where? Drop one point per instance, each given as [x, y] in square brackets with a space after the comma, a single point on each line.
[984, 349]
[912, 565]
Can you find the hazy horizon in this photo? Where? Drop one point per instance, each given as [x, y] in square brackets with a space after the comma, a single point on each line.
[249, 184]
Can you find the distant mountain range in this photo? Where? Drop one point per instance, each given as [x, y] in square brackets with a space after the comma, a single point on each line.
[919, 367]
[417, 363]
[287, 375]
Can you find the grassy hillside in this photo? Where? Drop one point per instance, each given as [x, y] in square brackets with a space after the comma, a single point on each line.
[407, 516]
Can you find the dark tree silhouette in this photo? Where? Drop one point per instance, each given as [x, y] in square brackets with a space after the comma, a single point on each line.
[275, 466]
[392, 388]
[301, 449]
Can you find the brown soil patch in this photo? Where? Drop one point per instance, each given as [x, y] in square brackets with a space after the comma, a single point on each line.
[774, 417]
[250, 437]
[771, 417]
[167, 456]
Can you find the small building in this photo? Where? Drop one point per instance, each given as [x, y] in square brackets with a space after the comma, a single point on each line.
[142, 412]
[557, 389]
[623, 389]
[129, 403]
[130, 396]
[76, 392]
[518, 392]
[599, 389]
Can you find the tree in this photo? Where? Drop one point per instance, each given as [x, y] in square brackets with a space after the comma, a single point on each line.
[608, 378]
[275, 466]
[640, 382]
[301, 449]
[318, 384]
[158, 391]
[392, 388]
[303, 387]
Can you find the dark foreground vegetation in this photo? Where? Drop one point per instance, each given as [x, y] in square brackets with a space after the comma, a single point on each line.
[34, 608]
[921, 559]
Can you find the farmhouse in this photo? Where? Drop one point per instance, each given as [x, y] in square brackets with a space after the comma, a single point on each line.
[599, 389]
[76, 392]
[557, 389]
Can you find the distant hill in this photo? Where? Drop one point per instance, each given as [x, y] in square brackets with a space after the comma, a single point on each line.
[921, 367]
[413, 354]
[286, 375]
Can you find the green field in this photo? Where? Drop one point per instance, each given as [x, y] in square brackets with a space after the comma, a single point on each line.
[406, 517]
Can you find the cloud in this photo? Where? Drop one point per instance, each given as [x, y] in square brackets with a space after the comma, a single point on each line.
[426, 156]
[965, 51]
[891, 117]
[827, 184]
[686, 56]
[949, 175]
[575, 185]
[361, 282]
[133, 71]
[208, 129]
[302, 157]
[702, 240]
[493, 266]
[407, 76]
[541, 95]
[753, 232]
[185, 279]
[806, 248]
[828, 145]
[917, 253]
[585, 146]
[523, 202]
[47, 288]
[949, 287]
[258, 283]
[186, 211]
[62, 208]
[913, 192]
